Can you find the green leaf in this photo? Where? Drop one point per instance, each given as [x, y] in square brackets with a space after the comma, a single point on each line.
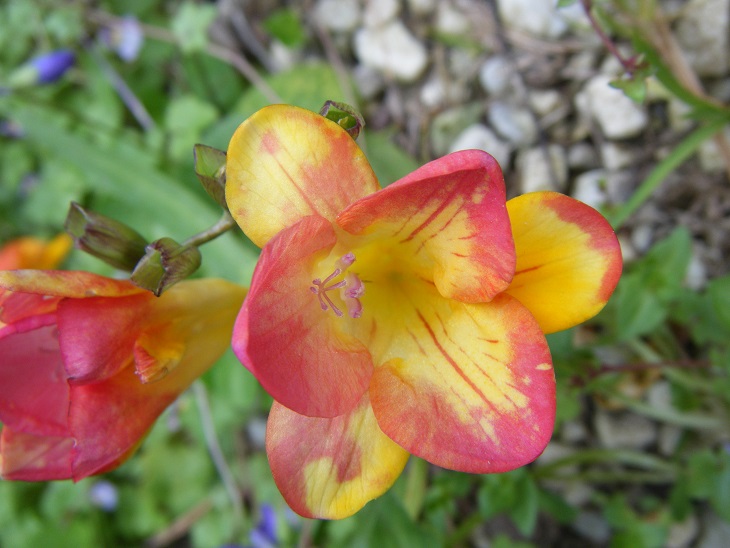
[190, 25]
[718, 291]
[527, 502]
[389, 162]
[634, 88]
[285, 26]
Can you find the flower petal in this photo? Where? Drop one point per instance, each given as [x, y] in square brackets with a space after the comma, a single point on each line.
[30, 252]
[27, 457]
[568, 259]
[285, 163]
[34, 396]
[97, 334]
[62, 283]
[449, 219]
[330, 468]
[468, 387]
[299, 352]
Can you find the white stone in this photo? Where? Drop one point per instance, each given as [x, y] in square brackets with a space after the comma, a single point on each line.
[703, 30]
[617, 115]
[589, 188]
[641, 237]
[379, 12]
[615, 156]
[535, 173]
[696, 277]
[338, 15]
[369, 82]
[392, 50]
[537, 17]
[582, 156]
[421, 7]
[513, 123]
[711, 159]
[496, 75]
[544, 101]
[480, 137]
[450, 20]
[681, 534]
[624, 430]
[593, 526]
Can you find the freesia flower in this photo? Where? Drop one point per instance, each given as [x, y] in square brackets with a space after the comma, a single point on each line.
[87, 364]
[31, 252]
[408, 319]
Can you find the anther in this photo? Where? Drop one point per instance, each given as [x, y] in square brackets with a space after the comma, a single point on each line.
[351, 288]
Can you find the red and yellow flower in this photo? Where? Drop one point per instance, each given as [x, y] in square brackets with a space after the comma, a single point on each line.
[88, 363]
[31, 252]
[408, 319]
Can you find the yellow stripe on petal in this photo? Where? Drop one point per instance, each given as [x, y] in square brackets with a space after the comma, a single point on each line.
[284, 163]
[468, 387]
[568, 259]
[330, 468]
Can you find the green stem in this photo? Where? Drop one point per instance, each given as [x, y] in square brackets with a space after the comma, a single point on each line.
[415, 486]
[677, 157]
[593, 456]
[224, 224]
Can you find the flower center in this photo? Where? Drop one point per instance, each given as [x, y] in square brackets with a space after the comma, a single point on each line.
[351, 288]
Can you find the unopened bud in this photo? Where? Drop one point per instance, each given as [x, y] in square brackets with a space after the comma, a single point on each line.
[210, 167]
[165, 263]
[43, 69]
[344, 116]
[107, 239]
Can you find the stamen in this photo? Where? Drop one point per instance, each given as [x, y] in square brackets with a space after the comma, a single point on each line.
[351, 288]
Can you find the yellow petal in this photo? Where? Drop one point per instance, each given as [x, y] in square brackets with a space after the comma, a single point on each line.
[284, 163]
[568, 259]
[330, 468]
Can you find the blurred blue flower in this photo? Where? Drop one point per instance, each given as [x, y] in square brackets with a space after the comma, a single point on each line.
[42, 69]
[264, 534]
[51, 66]
[104, 495]
[125, 37]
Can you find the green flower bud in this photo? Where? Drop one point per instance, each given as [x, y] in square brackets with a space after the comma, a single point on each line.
[165, 263]
[345, 116]
[210, 167]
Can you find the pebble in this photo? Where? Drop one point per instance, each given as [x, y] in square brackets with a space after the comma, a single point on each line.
[615, 156]
[683, 533]
[421, 7]
[338, 15]
[541, 171]
[703, 30]
[624, 430]
[392, 50]
[592, 526]
[696, 277]
[497, 76]
[449, 20]
[589, 188]
[617, 115]
[379, 12]
[369, 82]
[710, 157]
[480, 137]
[544, 101]
[513, 123]
[537, 17]
[582, 156]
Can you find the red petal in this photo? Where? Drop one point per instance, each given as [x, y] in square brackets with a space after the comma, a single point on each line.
[299, 352]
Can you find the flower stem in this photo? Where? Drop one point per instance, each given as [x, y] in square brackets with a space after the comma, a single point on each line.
[214, 448]
[224, 224]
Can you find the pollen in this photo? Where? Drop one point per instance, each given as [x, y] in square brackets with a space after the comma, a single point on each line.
[350, 286]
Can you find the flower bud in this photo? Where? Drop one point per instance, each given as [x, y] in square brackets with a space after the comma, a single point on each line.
[210, 167]
[43, 69]
[344, 116]
[107, 239]
[165, 263]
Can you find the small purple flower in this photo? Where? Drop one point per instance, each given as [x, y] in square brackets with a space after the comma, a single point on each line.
[125, 37]
[264, 534]
[104, 495]
[51, 66]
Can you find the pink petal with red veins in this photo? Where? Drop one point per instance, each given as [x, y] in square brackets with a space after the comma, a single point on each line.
[300, 353]
[27, 457]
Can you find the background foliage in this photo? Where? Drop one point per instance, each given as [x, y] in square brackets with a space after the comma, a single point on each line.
[88, 138]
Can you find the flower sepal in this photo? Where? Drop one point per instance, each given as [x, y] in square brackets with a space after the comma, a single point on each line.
[164, 264]
[210, 167]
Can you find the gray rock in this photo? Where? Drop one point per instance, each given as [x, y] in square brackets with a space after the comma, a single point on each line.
[513, 123]
[421, 7]
[617, 115]
[703, 30]
[537, 17]
[616, 157]
[392, 50]
[338, 15]
[624, 430]
[380, 12]
[449, 20]
[582, 156]
[592, 526]
[369, 82]
[589, 188]
[480, 137]
[541, 171]
[497, 75]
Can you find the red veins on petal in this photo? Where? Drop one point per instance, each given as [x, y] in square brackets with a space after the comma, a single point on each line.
[448, 219]
[295, 349]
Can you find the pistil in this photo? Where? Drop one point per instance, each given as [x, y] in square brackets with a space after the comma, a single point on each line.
[351, 288]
